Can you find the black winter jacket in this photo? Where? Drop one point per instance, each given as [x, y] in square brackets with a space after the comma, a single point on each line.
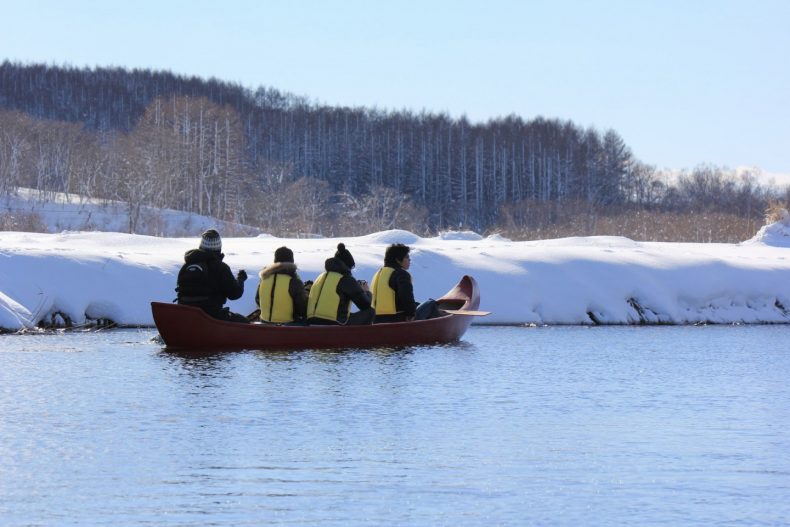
[216, 286]
[400, 282]
[347, 288]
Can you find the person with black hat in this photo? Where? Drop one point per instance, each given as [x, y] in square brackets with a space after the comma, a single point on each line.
[205, 281]
[281, 294]
[335, 289]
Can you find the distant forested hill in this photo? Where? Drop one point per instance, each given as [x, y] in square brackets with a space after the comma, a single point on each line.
[280, 161]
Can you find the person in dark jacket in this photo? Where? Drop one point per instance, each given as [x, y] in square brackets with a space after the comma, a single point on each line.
[335, 289]
[393, 292]
[205, 281]
[281, 294]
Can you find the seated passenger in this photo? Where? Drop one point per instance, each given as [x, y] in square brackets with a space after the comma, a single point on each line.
[335, 289]
[393, 293]
[281, 295]
[205, 281]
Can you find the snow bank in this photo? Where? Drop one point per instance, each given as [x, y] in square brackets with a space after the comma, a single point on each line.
[776, 234]
[392, 236]
[609, 280]
[459, 235]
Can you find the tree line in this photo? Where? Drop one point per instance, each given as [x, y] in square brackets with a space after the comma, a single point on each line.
[291, 166]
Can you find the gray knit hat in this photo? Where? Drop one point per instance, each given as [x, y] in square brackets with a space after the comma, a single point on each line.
[210, 241]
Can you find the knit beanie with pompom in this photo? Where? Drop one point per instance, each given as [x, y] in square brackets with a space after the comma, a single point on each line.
[210, 241]
[345, 256]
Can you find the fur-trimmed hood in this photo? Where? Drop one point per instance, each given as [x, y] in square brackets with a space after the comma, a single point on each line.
[278, 267]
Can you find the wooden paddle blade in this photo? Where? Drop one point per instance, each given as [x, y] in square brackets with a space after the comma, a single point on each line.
[467, 312]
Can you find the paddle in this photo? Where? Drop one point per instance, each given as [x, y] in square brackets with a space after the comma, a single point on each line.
[467, 312]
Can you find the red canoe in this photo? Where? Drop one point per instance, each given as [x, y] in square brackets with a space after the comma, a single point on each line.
[186, 327]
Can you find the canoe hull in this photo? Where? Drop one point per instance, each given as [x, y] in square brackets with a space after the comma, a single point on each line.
[186, 327]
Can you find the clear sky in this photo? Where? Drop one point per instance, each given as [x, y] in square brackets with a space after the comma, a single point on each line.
[683, 81]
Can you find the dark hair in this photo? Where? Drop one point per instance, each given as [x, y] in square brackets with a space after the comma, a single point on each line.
[395, 253]
[344, 256]
[284, 254]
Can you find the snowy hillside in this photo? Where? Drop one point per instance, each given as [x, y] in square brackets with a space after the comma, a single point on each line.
[57, 212]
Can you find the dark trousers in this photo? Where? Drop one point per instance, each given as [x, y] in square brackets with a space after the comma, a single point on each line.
[386, 319]
[360, 318]
[224, 313]
[426, 310]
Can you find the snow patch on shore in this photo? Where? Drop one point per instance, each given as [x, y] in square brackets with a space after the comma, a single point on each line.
[592, 280]
[776, 234]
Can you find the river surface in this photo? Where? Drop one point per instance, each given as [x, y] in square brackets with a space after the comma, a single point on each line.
[512, 426]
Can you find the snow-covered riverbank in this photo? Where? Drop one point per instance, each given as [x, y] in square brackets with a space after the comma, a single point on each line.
[567, 281]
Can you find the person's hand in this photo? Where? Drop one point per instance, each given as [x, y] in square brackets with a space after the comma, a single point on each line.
[241, 275]
[364, 285]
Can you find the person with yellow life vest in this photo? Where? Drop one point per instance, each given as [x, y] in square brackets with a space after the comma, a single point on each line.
[393, 292]
[333, 292]
[281, 294]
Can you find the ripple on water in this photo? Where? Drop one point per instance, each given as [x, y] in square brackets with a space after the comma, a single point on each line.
[559, 426]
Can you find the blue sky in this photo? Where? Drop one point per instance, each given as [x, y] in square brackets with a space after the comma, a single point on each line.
[684, 82]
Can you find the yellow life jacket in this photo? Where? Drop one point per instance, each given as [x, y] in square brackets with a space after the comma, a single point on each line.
[324, 301]
[276, 303]
[383, 294]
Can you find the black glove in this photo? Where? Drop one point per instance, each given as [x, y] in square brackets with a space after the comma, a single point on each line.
[241, 275]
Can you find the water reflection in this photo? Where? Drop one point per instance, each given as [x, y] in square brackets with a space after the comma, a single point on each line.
[197, 371]
[321, 354]
[197, 359]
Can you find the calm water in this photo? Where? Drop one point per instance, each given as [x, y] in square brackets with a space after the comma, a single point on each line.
[513, 426]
